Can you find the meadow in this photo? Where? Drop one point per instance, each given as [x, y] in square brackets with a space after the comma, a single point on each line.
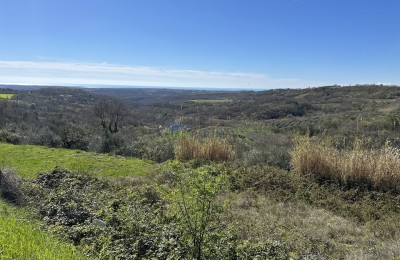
[6, 96]
[28, 160]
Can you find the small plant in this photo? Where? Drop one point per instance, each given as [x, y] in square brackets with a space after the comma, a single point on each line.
[194, 199]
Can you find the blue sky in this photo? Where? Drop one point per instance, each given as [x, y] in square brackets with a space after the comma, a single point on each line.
[200, 43]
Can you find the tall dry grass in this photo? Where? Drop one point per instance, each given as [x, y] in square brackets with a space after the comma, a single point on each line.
[211, 148]
[372, 168]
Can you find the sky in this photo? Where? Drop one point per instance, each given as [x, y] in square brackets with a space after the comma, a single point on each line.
[244, 44]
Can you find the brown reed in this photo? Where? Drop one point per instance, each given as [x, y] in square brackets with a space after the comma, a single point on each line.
[359, 166]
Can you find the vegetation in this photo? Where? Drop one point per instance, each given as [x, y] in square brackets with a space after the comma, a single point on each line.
[21, 239]
[211, 148]
[356, 167]
[28, 160]
[6, 96]
[280, 174]
[212, 100]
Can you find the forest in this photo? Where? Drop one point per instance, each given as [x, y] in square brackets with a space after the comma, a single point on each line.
[118, 173]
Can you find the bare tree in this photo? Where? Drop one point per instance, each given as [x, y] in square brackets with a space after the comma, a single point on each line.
[110, 113]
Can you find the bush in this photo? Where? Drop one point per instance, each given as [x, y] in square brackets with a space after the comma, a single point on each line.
[193, 202]
[9, 137]
[74, 137]
[265, 179]
[11, 186]
[45, 137]
[158, 149]
[265, 250]
[104, 220]
[111, 143]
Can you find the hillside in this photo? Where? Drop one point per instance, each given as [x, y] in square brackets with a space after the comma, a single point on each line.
[278, 174]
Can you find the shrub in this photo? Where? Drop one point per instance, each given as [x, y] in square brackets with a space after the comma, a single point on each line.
[11, 186]
[9, 137]
[131, 225]
[111, 142]
[73, 137]
[157, 149]
[358, 166]
[45, 137]
[210, 148]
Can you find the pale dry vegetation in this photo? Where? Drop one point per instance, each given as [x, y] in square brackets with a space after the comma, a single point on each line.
[211, 148]
[315, 232]
[371, 168]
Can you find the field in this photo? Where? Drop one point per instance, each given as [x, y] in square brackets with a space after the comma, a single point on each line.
[28, 160]
[6, 96]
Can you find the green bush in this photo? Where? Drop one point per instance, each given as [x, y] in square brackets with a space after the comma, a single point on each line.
[105, 220]
[9, 137]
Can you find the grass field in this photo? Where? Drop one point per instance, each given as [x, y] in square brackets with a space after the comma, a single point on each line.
[6, 96]
[28, 160]
[21, 239]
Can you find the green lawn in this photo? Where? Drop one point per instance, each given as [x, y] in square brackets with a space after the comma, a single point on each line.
[28, 160]
[21, 238]
[6, 96]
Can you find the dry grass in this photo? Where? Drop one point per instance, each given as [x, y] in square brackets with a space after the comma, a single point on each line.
[309, 232]
[211, 148]
[375, 169]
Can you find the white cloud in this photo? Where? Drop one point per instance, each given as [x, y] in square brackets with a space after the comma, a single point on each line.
[63, 73]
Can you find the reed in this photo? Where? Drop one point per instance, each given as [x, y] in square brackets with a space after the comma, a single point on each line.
[211, 148]
[377, 169]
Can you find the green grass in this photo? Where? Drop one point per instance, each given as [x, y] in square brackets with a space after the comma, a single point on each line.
[21, 239]
[6, 96]
[28, 160]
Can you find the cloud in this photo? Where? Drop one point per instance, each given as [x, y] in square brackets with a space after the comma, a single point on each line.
[92, 74]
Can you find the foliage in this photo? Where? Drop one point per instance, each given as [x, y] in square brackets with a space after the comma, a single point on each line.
[73, 137]
[195, 200]
[21, 238]
[103, 220]
[158, 149]
[8, 137]
[180, 210]
[111, 142]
